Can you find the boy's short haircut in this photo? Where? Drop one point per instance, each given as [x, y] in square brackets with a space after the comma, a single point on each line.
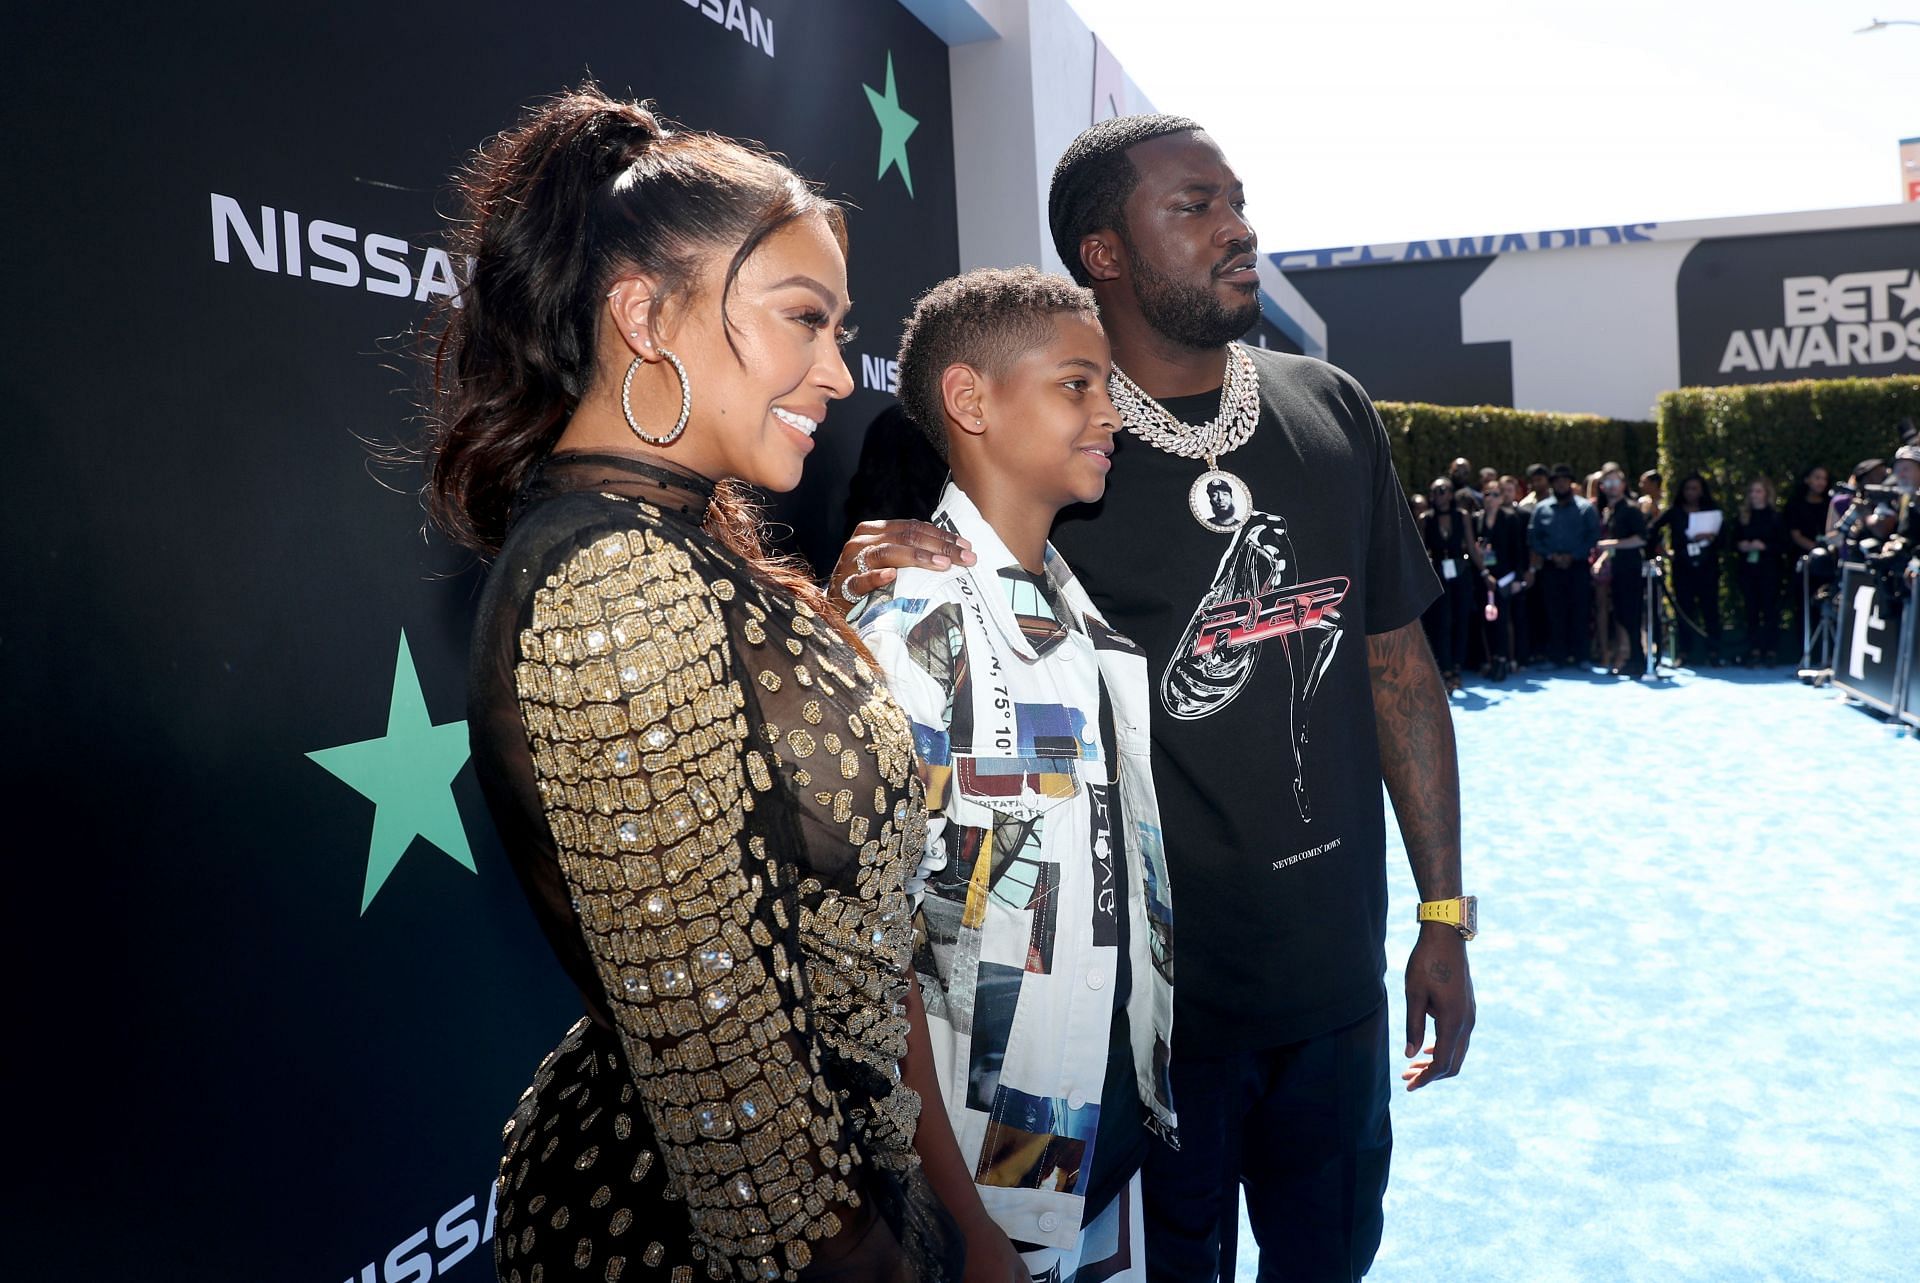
[987, 319]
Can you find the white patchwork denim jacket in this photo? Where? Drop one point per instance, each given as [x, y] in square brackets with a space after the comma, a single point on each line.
[1030, 803]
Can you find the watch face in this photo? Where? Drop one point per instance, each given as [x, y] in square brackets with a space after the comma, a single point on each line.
[1470, 915]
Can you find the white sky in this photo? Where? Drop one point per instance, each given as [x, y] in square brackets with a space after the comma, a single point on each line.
[1387, 121]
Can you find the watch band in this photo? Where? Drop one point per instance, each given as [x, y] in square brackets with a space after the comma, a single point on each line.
[1461, 913]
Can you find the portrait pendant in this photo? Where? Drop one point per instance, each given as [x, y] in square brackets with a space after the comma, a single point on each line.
[1220, 501]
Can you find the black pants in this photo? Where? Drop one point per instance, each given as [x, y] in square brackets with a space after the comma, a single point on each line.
[1503, 635]
[1305, 1129]
[1629, 609]
[1760, 591]
[1567, 596]
[1696, 591]
[1447, 621]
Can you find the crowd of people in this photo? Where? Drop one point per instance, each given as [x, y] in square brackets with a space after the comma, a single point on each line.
[1551, 568]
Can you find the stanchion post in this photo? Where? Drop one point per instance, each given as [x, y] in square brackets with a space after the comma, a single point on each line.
[1649, 573]
[1819, 637]
[1654, 571]
[1806, 613]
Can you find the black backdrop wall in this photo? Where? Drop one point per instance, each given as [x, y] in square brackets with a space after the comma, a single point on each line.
[263, 1029]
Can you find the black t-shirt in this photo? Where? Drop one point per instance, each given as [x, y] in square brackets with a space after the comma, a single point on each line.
[1763, 524]
[1623, 520]
[1445, 535]
[1506, 540]
[1265, 757]
[1807, 517]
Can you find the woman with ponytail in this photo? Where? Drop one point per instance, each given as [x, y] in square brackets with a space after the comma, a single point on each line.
[701, 784]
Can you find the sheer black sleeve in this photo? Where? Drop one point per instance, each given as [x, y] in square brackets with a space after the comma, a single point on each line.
[634, 721]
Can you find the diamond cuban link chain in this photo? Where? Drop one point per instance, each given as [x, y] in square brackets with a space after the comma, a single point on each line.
[1218, 500]
[1228, 430]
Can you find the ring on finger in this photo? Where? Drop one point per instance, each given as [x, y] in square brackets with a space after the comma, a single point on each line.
[860, 566]
[846, 588]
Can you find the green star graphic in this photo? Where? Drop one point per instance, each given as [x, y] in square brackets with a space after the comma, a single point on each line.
[896, 126]
[408, 775]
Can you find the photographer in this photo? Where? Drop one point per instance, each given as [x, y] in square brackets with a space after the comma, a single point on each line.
[1896, 521]
[1884, 523]
[1866, 474]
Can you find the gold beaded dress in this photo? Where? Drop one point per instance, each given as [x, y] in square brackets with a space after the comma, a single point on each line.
[710, 801]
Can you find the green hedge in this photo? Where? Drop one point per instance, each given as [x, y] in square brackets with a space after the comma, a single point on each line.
[1426, 438]
[1779, 430]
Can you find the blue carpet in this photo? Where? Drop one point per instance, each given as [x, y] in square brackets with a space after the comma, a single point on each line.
[1700, 904]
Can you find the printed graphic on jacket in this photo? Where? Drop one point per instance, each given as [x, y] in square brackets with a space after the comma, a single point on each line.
[1029, 717]
[1258, 598]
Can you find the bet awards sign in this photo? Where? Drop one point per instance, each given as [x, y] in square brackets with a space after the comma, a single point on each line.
[1856, 319]
[1802, 305]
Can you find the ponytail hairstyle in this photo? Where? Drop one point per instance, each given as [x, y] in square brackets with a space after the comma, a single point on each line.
[584, 190]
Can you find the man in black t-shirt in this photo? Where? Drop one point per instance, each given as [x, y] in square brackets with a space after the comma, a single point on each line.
[1293, 676]
[1905, 479]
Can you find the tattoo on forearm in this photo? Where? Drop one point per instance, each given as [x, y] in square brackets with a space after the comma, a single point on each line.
[1417, 758]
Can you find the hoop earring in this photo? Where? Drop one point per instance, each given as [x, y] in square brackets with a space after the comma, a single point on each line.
[686, 401]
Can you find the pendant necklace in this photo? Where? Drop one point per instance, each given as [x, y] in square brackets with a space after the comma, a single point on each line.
[1218, 500]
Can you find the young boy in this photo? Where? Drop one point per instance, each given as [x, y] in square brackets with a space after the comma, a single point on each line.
[1044, 924]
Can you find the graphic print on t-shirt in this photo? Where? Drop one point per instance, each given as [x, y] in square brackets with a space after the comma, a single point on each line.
[1258, 597]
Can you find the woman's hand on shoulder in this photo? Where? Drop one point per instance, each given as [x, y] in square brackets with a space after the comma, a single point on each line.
[879, 550]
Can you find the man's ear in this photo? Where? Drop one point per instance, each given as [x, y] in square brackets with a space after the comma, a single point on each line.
[963, 396]
[1102, 255]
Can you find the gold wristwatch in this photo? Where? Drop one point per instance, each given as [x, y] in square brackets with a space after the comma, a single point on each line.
[1461, 913]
